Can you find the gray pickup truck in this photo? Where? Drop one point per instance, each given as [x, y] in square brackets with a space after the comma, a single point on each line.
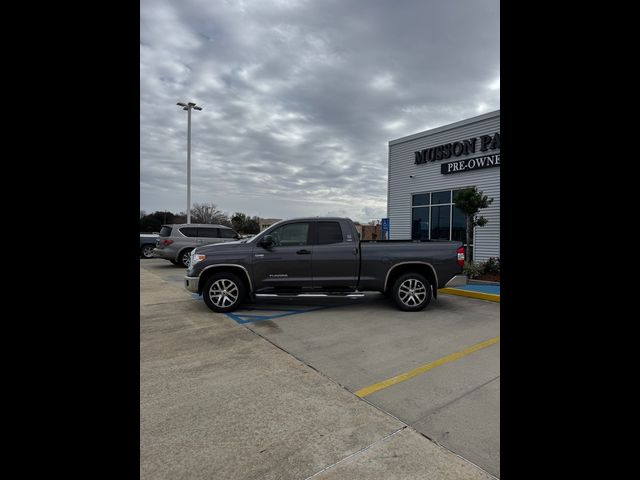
[321, 256]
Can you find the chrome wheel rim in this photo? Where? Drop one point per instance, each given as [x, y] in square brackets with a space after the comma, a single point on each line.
[186, 259]
[412, 292]
[147, 252]
[223, 293]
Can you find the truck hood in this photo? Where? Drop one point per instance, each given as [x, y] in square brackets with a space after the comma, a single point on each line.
[223, 247]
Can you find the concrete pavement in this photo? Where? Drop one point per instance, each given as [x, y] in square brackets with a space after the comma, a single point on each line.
[219, 401]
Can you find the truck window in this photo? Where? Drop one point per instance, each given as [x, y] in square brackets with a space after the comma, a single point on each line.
[329, 232]
[292, 234]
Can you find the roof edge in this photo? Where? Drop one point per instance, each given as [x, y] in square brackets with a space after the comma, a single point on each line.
[460, 123]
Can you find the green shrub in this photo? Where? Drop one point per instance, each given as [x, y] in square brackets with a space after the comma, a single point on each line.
[491, 266]
[472, 269]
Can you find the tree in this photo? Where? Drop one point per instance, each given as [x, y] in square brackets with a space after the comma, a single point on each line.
[238, 220]
[208, 213]
[470, 201]
[242, 223]
[153, 222]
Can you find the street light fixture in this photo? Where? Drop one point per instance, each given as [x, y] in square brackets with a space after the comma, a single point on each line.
[188, 107]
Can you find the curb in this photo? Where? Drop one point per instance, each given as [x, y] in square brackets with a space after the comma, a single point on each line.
[467, 293]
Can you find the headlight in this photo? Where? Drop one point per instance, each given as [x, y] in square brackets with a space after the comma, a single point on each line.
[196, 257]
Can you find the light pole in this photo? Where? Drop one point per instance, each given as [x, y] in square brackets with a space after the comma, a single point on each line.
[188, 107]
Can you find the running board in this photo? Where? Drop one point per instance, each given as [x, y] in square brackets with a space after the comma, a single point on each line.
[319, 295]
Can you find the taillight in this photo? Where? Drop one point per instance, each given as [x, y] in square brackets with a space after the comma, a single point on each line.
[167, 242]
[460, 253]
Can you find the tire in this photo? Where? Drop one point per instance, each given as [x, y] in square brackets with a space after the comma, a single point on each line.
[176, 263]
[411, 292]
[224, 292]
[146, 251]
[184, 259]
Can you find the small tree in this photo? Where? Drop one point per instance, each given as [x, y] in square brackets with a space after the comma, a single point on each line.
[238, 220]
[470, 201]
[242, 223]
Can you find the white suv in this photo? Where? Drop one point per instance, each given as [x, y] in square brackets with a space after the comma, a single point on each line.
[175, 242]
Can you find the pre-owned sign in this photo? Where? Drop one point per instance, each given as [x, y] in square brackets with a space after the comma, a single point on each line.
[470, 164]
[457, 149]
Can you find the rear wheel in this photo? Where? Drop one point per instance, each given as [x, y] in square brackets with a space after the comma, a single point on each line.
[147, 251]
[224, 292]
[411, 292]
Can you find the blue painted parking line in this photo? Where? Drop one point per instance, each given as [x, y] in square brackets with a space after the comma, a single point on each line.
[279, 312]
[243, 318]
[493, 289]
[275, 309]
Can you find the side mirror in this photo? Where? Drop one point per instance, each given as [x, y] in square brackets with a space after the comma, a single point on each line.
[267, 241]
[237, 237]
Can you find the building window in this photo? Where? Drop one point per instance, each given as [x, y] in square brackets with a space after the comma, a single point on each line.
[441, 222]
[420, 223]
[435, 217]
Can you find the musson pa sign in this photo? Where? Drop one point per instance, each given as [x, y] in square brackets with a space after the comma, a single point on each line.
[465, 147]
[470, 164]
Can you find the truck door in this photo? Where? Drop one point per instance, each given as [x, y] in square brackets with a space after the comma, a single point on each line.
[335, 257]
[286, 265]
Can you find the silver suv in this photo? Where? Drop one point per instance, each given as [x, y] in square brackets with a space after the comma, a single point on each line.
[175, 242]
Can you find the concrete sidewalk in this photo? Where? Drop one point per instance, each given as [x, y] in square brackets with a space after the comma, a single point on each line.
[219, 401]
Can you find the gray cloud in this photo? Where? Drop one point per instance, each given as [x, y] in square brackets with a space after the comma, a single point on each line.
[300, 98]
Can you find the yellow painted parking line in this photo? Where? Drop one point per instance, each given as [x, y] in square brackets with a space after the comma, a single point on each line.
[363, 392]
[467, 293]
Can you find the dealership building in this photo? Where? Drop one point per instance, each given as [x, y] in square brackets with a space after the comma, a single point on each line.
[427, 169]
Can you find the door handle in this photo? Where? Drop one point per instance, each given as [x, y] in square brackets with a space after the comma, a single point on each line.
[303, 252]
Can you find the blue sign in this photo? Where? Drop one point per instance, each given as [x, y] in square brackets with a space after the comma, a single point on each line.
[385, 224]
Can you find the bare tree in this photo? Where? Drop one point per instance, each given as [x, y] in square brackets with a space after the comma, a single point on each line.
[208, 213]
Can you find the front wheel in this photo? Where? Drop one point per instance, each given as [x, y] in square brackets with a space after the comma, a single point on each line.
[223, 292]
[411, 292]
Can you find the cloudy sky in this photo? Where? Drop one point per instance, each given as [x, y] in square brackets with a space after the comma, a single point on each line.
[300, 98]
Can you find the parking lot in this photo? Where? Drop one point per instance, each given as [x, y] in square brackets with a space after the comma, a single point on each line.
[437, 371]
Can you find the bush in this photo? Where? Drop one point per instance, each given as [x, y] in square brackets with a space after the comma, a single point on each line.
[478, 269]
[491, 266]
[472, 270]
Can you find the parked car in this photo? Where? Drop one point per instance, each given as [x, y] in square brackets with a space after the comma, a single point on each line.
[175, 242]
[147, 244]
[321, 257]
